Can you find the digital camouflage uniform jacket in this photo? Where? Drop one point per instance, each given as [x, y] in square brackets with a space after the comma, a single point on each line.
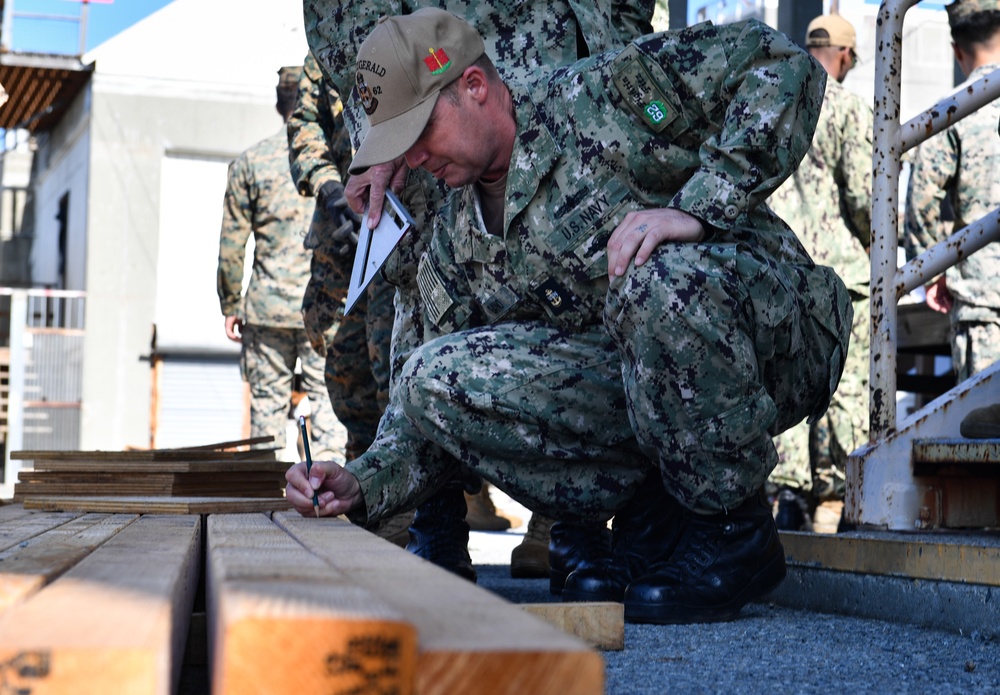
[261, 200]
[828, 200]
[710, 121]
[961, 163]
[525, 35]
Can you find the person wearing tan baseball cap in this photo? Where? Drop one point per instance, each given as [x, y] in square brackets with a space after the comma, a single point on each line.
[591, 354]
[832, 41]
[402, 67]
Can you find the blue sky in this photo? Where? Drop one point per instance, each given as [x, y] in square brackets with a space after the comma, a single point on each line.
[104, 20]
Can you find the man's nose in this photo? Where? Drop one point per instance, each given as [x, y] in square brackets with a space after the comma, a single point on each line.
[415, 156]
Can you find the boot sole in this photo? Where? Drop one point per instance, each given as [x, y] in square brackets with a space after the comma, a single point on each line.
[529, 570]
[764, 582]
[577, 596]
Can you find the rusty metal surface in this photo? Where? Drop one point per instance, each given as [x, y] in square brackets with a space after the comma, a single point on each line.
[947, 253]
[951, 109]
[958, 450]
[887, 154]
[882, 490]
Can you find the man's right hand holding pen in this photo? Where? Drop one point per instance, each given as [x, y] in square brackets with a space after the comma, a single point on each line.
[337, 489]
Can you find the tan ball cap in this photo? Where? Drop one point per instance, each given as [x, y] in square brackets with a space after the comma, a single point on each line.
[402, 67]
[840, 30]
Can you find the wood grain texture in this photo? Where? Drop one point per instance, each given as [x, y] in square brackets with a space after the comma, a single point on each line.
[180, 465]
[258, 455]
[114, 623]
[471, 641]
[157, 505]
[22, 524]
[27, 567]
[599, 624]
[196, 484]
[281, 620]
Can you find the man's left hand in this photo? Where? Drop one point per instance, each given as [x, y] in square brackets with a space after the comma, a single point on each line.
[641, 232]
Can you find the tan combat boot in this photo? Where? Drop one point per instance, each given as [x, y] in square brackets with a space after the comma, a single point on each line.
[482, 514]
[530, 558]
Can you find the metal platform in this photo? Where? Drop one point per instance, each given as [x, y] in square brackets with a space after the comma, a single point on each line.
[945, 580]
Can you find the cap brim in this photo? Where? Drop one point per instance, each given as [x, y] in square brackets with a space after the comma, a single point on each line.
[393, 137]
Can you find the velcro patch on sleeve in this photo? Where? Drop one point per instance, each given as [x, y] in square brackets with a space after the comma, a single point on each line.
[641, 92]
[437, 301]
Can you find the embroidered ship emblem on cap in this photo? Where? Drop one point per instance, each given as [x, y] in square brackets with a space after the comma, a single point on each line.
[368, 100]
[438, 61]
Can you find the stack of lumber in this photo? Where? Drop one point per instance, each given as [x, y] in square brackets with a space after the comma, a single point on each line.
[101, 603]
[211, 478]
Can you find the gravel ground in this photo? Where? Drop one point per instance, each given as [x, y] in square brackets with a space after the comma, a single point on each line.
[770, 649]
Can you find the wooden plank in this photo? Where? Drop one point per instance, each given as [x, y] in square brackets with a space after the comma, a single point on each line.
[11, 512]
[221, 446]
[282, 621]
[599, 624]
[251, 484]
[158, 505]
[179, 466]
[168, 481]
[471, 641]
[27, 567]
[17, 529]
[116, 622]
[145, 455]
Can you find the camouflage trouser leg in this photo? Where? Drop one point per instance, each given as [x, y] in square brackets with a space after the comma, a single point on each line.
[813, 457]
[350, 382]
[793, 468]
[844, 426]
[379, 318]
[324, 423]
[268, 363]
[537, 410]
[975, 345]
[357, 366]
[722, 350]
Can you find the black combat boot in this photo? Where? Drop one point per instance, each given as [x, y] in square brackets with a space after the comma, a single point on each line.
[721, 562]
[574, 546]
[642, 533]
[439, 532]
[793, 512]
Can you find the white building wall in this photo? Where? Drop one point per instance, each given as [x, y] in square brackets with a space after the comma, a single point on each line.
[194, 81]
[67, 173]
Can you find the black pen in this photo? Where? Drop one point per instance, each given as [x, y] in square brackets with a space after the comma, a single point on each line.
[309, 460]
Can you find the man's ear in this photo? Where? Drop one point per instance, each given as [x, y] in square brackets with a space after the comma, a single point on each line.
[959, 53]
[476, 84]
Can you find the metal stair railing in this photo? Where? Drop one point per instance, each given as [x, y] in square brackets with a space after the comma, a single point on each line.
[891, 140]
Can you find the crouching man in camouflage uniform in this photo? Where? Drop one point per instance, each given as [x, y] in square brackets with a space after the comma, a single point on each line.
[625, 323]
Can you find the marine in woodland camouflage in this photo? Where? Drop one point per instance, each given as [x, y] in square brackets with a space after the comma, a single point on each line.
[962, 165]
[261, 200]
[549, 381]
[827, 202]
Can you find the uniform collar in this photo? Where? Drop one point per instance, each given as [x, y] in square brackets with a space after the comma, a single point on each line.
[535, 151]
